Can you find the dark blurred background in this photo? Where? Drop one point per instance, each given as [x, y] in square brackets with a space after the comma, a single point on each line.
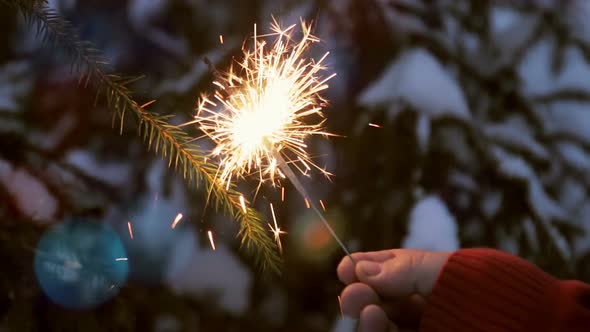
[463, 124]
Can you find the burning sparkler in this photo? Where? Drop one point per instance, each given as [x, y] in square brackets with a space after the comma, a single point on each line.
[263, 111]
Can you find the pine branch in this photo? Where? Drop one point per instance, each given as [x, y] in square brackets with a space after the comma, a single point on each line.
[175, 145]
[167, 140]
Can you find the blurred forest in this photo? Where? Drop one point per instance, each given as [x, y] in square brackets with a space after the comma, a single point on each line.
[461, 124]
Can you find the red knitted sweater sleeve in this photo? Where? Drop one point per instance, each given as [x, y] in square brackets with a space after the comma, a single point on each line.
[485, 290]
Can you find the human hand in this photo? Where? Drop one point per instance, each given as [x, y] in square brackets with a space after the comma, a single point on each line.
[388, 289]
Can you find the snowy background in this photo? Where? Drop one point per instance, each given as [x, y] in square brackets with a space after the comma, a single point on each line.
[464, 124]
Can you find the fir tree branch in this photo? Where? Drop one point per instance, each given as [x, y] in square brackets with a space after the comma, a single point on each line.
[167, 140]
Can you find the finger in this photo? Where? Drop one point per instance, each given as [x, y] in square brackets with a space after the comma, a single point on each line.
[345, 269]
[355, 297]
[409, 272]
[374, 319]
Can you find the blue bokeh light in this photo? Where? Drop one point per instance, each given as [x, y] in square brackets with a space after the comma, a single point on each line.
[81, 264]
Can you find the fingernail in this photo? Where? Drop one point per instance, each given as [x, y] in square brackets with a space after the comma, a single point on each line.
[370, 268]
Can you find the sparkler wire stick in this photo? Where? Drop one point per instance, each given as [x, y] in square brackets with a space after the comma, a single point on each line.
[282, 164]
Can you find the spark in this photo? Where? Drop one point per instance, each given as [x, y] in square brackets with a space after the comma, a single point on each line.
[219, 85]
[221, 39]
[322, 204]
[176, 220]
[210, 234]
[282, 194]
[121, 259]
[130, 229]
[374, 125]
[307, 203]
[267, 107]
[276, 230]
[243, 203]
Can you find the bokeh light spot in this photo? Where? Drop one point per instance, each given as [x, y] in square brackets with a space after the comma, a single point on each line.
[81, 264]
[311, 239]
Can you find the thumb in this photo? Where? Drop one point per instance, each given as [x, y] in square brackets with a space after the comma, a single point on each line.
[407, 272]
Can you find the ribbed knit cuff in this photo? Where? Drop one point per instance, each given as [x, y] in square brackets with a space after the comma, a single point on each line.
[488, 290]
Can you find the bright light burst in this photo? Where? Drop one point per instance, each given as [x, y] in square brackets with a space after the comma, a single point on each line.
[261, 114]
